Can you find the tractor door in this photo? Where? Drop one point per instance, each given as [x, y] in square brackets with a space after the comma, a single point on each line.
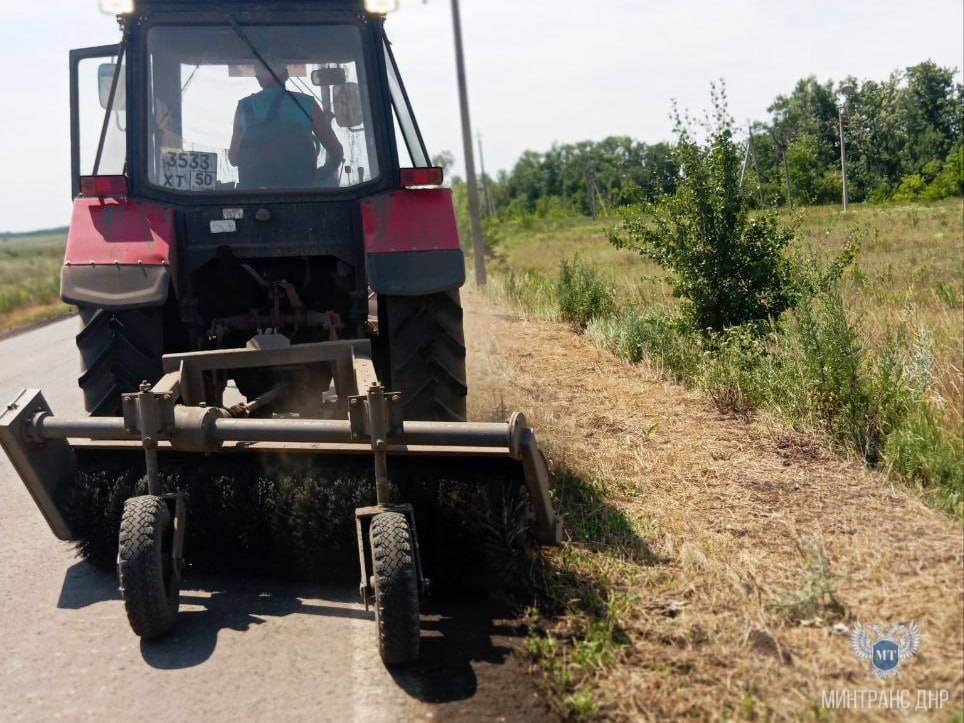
[95, 115]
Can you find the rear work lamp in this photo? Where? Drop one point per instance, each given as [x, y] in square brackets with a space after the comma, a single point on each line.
[381, 7]
[117, 7]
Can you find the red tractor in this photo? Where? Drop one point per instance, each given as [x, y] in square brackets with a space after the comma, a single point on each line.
[258, 270]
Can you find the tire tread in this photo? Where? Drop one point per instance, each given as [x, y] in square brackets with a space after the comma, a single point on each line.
[426, 350]
[118, 350]
[151, 611]
[396, 588]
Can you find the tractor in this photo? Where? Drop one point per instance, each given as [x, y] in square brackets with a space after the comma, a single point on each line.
[265, 262]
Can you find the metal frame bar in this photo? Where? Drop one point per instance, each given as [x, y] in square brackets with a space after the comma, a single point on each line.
[343, 355]
[154, 421]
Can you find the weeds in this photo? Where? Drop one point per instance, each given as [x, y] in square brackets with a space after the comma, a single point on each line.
[30, 278]
[30, 271]
[578, 594]
[532, 291]
[577, 295]
[581, 295]
[815, 598]
[920, 450]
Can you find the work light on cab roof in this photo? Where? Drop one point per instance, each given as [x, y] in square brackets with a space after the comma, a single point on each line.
[381, 7]
[117, 7]
[126, 7]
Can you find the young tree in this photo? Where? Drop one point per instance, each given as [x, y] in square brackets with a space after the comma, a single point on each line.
[724, 262]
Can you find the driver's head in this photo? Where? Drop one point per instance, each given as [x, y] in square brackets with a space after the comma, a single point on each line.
[264, 76]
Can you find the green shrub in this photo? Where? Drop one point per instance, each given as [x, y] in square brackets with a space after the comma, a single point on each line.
[950, 180]
[581, 295]
[911, 188]
[726, 265]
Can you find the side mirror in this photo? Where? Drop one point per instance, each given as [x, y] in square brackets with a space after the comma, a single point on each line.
[105, 78]
[347, 103]
[329, 76]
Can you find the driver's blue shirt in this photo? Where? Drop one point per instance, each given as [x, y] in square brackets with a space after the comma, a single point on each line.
[260, 105]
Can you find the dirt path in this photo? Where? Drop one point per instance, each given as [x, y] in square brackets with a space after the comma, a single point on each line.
[734, 616]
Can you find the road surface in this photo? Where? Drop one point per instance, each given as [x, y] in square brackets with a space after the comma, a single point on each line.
[243, 650]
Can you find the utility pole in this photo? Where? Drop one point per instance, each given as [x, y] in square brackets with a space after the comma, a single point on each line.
[471, 179]
[843, 158]
[591, 193]
[746, 161]
[781, 145]
[786, 173]
[756, 166]
[489, 203]
[600, 199]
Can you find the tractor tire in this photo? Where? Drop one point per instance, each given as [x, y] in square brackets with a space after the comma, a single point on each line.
[396, 588]
[425, 346]
[118, 351]
[149, 583]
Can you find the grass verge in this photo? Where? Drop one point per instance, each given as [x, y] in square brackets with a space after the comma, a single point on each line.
[30, 279]
[887, 395]
[765, 546]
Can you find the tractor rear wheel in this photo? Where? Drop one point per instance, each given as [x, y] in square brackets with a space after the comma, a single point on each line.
[118, 351]
[396, 588]
[425, 346]
[149, 581]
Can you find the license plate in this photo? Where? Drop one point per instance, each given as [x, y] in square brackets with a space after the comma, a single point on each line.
[189, 170]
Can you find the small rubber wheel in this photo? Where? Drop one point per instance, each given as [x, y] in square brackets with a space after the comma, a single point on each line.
[396, 588]
[149, 583]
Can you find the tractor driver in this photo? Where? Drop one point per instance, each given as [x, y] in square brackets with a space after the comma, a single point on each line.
[277, 134]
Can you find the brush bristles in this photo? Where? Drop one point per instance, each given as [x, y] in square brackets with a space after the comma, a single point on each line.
[295, 516]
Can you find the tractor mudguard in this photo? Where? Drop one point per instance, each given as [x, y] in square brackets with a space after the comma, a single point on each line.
[120, 254]
[412, 242]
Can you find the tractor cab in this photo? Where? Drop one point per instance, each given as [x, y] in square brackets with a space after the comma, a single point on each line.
[198, 95]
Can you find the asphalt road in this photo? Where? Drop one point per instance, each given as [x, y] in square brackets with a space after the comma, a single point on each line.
[243, 650]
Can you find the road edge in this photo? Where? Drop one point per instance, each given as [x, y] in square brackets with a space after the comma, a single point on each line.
[37, 324]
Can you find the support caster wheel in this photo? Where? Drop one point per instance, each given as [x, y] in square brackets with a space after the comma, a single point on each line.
[150, 578]
[395, 580]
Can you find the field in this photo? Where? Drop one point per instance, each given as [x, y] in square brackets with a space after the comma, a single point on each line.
[30, 278]
[909, 273]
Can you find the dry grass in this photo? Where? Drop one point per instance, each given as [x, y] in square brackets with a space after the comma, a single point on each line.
[30, 278]
[24, 317]
[764, 546]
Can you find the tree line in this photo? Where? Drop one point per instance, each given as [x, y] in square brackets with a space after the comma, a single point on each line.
[902, 134]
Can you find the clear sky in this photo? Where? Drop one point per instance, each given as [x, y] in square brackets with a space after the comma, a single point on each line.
[539, 70]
